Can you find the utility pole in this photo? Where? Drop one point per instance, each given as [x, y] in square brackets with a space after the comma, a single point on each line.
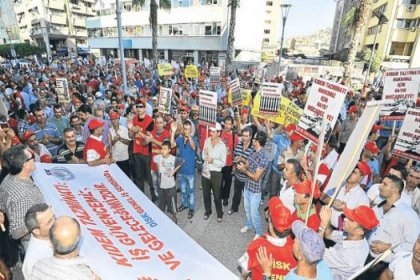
[121, 43]
[285, 12]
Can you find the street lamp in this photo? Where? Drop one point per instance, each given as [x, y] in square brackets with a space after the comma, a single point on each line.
[121, 45]
[284, 12]
[381, 20]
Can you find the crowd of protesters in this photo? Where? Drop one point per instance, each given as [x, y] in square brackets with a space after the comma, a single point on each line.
[377, 207]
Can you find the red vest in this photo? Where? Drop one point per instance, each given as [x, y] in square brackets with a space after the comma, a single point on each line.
[94, 144]
[230, 143]
[156, 150]
[138, 147]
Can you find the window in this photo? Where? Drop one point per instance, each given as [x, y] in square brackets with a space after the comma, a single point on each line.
[266, 31]
[268, 21]
[380, 9]
[266, 40]
[269, 3]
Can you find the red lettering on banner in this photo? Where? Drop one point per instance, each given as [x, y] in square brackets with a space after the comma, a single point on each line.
[317, 111]
[109, 247]
[146, 278]
[169, 259]
[74, 205]
[327, 92]
[139, 254]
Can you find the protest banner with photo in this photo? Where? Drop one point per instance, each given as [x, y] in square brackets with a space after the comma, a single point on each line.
[191, 71]
[214, 75]
[401, 89]
[236, 92]
[124, 235]
[408, 141]
[208, 108]
[62, 89]
[324, 102]
[270, 98]
[165, 69]
[165, 100]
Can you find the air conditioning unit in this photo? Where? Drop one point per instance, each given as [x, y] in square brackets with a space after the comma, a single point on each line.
[411, 8]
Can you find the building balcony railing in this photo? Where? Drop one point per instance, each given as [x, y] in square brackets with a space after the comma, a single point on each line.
[408, 11]
[58, 19]
[57, 5]
[404, 35]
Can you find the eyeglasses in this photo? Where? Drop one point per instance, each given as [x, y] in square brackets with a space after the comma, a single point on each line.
[30, 158]
[139, 106]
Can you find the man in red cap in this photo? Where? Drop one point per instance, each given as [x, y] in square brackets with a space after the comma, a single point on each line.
[29, 139]
[349, 253]
[351, 195]
[369, 156]
[347, 127]
[276, 242]
[375, 132]
[95, 152]
[293, 151]
[303, 202]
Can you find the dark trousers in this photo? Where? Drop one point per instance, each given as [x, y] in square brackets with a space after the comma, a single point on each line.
[238, 188]
[124, 166]
[341, 148]
[167, 199]
[132, 163]
[143, 172]
[374, 272]
[275, 184]
[214, 183]
[226, 181]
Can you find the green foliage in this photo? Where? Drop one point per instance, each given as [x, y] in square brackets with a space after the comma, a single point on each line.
[22, 50]
[376, 61]
[350, 17]
[163, 4]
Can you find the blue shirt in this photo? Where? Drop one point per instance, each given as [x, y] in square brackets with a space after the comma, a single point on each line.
[322, 273]
[282, 142]
[374, 167]
[389, 124]
[187, 154]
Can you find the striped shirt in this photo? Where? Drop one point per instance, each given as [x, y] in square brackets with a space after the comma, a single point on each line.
[16, 197]
[64, 269]
[256, 160]
[239, 152]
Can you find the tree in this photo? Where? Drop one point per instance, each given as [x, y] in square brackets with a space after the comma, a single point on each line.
[376, 61]
[22, 50]
[233, 4]
[361, 18]
[153, 21]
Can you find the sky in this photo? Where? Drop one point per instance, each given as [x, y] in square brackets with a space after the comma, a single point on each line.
[308, 16]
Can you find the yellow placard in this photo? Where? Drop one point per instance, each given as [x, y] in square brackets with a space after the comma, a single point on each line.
[191, 71]
[246, 97]
[165, 69]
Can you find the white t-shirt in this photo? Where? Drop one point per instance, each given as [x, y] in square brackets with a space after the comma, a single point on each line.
[37, 249]
[166, 167]
[402, 267]
[287, 196]
[120, 150]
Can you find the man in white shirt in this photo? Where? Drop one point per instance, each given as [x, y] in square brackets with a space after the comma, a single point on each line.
[38, 220]
[292, 172]
[412, 189]
[120, 141]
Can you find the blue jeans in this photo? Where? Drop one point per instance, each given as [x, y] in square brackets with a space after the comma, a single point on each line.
[251, 204]
[187, 184]
[156, 181]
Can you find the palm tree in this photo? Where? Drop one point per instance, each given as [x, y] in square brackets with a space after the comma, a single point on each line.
[153, 21]
[233, 4]
[361, 19]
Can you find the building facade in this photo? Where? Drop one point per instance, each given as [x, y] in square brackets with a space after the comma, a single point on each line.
[9, 28]
[193, 29]
[61, 22]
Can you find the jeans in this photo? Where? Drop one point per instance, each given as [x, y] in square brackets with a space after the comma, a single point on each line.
[156, 181]
[187, 184]
[251, 204]
[214, 183]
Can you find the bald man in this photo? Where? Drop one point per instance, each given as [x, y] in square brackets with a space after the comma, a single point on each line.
[66, 264]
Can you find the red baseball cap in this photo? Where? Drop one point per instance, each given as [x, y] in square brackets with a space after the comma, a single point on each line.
[296, 137]
[371, 146]
[244, 111]
[95, 123]
[290, 127]
[363, 215]
[280, 214]
[45, 158]
[185, 108]
[376, 128]
[353, 109]
[27, 134]
[305, 187]
[363, 167]
[114, 115]
[15, 141]
[121, 106]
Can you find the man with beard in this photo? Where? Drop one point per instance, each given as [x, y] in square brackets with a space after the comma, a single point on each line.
[29, 138]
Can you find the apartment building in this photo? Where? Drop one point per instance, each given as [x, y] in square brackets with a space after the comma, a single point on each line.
[272, 22]
[9, 29]
[193, 29]
[61, 22]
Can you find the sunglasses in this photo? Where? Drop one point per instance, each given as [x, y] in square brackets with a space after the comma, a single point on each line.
[30, 158]
[139, 106]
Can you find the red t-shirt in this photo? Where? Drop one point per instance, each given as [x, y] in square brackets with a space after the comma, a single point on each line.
[94, 144]
[230, 143]
[283, 260]
[145, 124]
[313, 221]
[156, 150]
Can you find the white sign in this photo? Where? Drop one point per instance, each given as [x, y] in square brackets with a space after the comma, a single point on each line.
[324, 102]
[270, 98]
[165, 100]
[124, 235]
[208, 108]
[214, 75]
[401, 89]
[62, 90]
[235, 88]
[408, 141]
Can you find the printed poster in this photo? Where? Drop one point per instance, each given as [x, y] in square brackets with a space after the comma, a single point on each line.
[165, 69]
[235, 88]
[324, 102]
[408, 141]
[191, 71]
[270, 98]
[62, 89]
[401, 89]
[214, 75]
[208, 108]
[165, 100]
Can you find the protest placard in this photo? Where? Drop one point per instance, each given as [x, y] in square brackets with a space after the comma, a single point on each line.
[208, 108]
[408, 141]
[324, 102]
[214, 75]
[165, 100]
[62, 89]
[191, 71]
[401, 89]
[236, 92]
[124, 235]
[270, 98]
[165, 69]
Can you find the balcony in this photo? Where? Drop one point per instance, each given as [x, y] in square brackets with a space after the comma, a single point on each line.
[403, 35]
[57, 5]
[408, 11]
[81, 33]
[79, 22]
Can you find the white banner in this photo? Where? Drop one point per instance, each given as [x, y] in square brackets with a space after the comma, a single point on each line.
[401, 88]
[214, 75]
[324, 101]
[270, 98]
[235, 88]
[208, 108]
[124, 235]
[408, 141]
[351, 154]
[62, 90]
[165, 100]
